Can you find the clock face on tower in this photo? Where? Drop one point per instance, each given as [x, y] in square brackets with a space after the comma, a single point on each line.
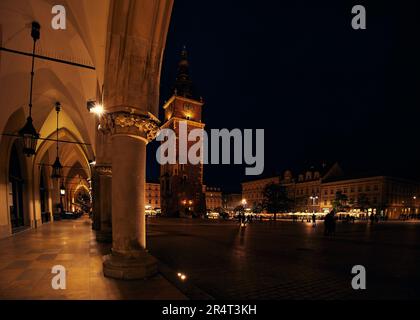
[187, 107]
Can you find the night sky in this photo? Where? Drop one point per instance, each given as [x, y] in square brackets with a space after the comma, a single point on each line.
[321, 90]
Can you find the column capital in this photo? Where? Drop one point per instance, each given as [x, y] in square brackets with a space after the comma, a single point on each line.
[104, 170]
[143, 125]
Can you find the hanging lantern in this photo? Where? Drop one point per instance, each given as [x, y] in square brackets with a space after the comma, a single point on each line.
[57, 169]
[62, 189]
[29, 137]
[28, 132]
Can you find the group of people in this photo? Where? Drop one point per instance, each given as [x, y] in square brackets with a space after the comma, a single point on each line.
[244, 219]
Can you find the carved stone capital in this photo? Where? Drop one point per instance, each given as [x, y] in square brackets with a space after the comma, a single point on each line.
[104, 170]
[142, 125]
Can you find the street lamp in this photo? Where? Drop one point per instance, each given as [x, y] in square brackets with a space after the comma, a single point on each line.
[28, 132]
[313, 198]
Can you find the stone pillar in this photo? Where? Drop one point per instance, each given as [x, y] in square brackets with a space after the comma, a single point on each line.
[103, 170]
[104, 180]
[130, 135]
[96, 213]
[136, 38]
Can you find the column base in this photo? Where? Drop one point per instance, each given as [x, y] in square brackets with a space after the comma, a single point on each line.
[104, 236]
[142, 266]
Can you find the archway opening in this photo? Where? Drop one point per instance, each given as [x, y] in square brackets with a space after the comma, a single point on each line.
[17, 212]
[82, 200]
[43, 196]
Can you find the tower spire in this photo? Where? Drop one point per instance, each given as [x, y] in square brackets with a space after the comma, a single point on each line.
[183, 83]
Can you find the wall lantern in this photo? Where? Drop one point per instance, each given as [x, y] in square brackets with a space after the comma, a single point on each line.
[95, 108]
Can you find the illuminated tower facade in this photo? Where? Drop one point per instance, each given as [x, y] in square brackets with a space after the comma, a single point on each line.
[182, 184]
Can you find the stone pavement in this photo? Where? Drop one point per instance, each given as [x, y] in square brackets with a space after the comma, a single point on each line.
[26, 260]
[285, 260]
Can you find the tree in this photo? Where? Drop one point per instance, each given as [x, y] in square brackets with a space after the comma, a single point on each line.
[275, 199]
[363, 202]
[340, 201]
[258, 208]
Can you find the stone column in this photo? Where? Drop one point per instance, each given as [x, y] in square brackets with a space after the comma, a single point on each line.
[130, 135]
[103, 184]
[96, 213]
[104, 181]
[136, 38]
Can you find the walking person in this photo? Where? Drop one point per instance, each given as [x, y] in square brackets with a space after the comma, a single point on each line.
[329, 223]
[313, 220]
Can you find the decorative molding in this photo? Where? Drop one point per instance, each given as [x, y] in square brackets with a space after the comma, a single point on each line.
[143, 125]
[104, 170]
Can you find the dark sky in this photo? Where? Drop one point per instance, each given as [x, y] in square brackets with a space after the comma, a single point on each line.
[321, 90]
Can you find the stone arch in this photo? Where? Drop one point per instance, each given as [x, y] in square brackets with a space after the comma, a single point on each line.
[13, 123]
[69, 154]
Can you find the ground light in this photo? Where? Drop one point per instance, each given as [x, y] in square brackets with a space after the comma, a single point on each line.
[182, 276]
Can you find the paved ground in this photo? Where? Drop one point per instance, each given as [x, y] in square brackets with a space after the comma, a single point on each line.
[286, 260]
[268, 260]
[26, 260]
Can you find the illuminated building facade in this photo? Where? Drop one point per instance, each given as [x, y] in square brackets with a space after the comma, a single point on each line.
[213, 198]
[253, 191]
[231, 201]
[315, 189]
[152, 195]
